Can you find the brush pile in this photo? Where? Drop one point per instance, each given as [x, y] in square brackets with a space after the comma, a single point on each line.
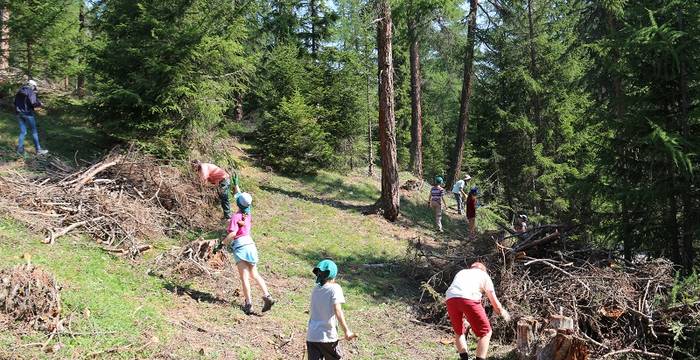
[198, 258]
[122, 201]
[618, 307]
[30, 294]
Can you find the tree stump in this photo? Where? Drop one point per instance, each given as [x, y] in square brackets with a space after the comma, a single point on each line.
[556, 342]
[526, 337]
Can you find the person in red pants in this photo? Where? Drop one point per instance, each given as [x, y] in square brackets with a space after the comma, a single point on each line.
[464, 301]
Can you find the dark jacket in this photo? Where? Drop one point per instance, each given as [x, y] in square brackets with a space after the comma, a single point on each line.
[26, 100]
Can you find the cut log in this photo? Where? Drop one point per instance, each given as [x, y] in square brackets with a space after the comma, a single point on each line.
[564, 347]
[526, 337]
[561, 323]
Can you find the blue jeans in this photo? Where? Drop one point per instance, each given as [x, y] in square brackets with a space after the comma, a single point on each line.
[460, 204]
[24, 120]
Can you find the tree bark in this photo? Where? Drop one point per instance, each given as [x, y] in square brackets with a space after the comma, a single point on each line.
[238, 109]
[80, 83]
[416, 162]
[4, 39]
[387, 121]
[689, 212]
[465, 101]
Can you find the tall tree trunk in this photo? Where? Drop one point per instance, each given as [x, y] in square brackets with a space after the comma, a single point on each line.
[416, 164]
[314, 15]
[4, 39]
[238, 109]
[370, 151]
[465, 101]
[689, 212]
[387, 121]
[80, 84]
[535, 103]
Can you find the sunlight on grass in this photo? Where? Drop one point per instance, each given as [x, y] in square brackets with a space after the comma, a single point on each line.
[103, 294]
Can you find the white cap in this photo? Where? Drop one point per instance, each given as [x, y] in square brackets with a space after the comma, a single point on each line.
[467, 177]
[32, 83]
[245, 199]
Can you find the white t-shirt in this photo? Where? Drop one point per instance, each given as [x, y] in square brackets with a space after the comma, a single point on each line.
[470, 284]
[323, 326]
[458, 186]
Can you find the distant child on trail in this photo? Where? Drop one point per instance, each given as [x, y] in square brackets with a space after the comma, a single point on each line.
[437, 200]
[244, 251]
[325, 314]
[458, 193]
[471, 211]
[212, 174]
[464, 301]
[26, 101]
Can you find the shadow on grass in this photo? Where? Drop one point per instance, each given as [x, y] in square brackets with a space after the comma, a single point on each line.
[194, 294]
[325, 184]
[380, 277]
[417, 213]
[317, 200]
[63, 130]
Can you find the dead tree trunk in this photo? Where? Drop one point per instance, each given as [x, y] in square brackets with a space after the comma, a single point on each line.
[416, 164]
[4, 39]
[387, 122]
[465, 101]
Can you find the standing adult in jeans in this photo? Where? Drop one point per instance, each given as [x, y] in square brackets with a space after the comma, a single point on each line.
[458, 193]
[212, 174]
[26, 101]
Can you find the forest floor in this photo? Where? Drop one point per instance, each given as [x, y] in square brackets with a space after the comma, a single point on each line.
[117, 308]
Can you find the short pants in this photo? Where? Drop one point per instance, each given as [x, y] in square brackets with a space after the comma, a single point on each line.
[459, 308]
[321, 350]
[247, 253]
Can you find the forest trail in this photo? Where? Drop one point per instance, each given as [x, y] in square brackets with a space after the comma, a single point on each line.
[297, 222]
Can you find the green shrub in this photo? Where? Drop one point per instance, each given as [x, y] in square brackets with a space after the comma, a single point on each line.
[291, 140]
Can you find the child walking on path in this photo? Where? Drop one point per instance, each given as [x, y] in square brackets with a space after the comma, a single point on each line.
[437, 200]
[244, 251]
[471, 211]
[464, 301]
[325, 314]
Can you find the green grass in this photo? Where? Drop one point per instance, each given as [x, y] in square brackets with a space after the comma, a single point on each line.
[297, 222]
[102, 294]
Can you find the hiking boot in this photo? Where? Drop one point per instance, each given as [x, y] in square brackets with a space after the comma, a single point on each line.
[247, 308]
[42, 152]
[268, 301]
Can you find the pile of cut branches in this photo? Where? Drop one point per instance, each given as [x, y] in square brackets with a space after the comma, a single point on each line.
[30, 294]
[121, 201]
[618, 307]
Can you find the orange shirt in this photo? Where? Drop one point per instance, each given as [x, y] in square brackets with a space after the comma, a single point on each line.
[212, 173]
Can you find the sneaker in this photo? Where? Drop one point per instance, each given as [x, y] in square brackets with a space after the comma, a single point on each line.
[268, 301]
[247, 308]
[42, 152]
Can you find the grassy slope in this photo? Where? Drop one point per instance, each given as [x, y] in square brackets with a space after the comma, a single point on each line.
[296, 223]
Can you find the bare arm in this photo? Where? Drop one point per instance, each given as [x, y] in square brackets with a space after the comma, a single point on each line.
[349, 335]
[229, 238]
[497, 305]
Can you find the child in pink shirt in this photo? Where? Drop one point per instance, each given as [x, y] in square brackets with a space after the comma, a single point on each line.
[244, 250]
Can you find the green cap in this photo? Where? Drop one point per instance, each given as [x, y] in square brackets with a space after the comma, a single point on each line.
[325, 270]
[439, 180]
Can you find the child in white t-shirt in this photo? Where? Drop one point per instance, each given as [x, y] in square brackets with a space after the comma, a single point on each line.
[325, 314]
